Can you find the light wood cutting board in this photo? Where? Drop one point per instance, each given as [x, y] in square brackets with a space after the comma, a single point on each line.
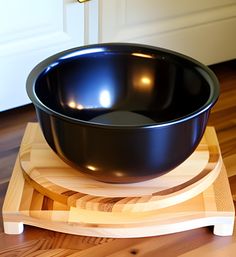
[52, 177]
[25, 205]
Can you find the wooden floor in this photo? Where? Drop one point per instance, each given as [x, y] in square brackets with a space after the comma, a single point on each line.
[12, 126]
[223, 115]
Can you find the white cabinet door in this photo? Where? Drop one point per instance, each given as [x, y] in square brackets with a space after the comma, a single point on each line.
[203, 29]
[31, 30]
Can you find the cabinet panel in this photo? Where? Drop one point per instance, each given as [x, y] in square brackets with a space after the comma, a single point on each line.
[30, 31]
[204, 29]
[37, 17]
[139, 11]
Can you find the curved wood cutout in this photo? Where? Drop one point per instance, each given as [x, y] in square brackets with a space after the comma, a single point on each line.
[49, 175]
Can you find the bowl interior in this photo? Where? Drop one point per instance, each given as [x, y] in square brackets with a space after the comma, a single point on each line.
[123, 86]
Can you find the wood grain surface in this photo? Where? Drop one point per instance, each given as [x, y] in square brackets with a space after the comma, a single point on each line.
[52, 177]
[24, 204]
[197, 242]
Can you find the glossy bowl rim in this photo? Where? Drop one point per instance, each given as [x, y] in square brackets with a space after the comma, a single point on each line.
[43, 65]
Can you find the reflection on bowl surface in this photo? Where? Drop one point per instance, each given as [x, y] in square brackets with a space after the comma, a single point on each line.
[122, 112]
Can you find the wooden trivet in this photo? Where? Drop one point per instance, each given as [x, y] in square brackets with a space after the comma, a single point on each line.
[25, 205]
[49, 175]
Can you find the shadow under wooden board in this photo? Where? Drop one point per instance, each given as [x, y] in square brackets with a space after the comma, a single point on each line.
[24, 204]
[52, 177]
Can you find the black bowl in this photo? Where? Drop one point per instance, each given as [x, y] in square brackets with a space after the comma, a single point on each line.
[122, 112]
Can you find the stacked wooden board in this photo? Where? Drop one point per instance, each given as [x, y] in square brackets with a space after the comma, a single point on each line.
[46, 192]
